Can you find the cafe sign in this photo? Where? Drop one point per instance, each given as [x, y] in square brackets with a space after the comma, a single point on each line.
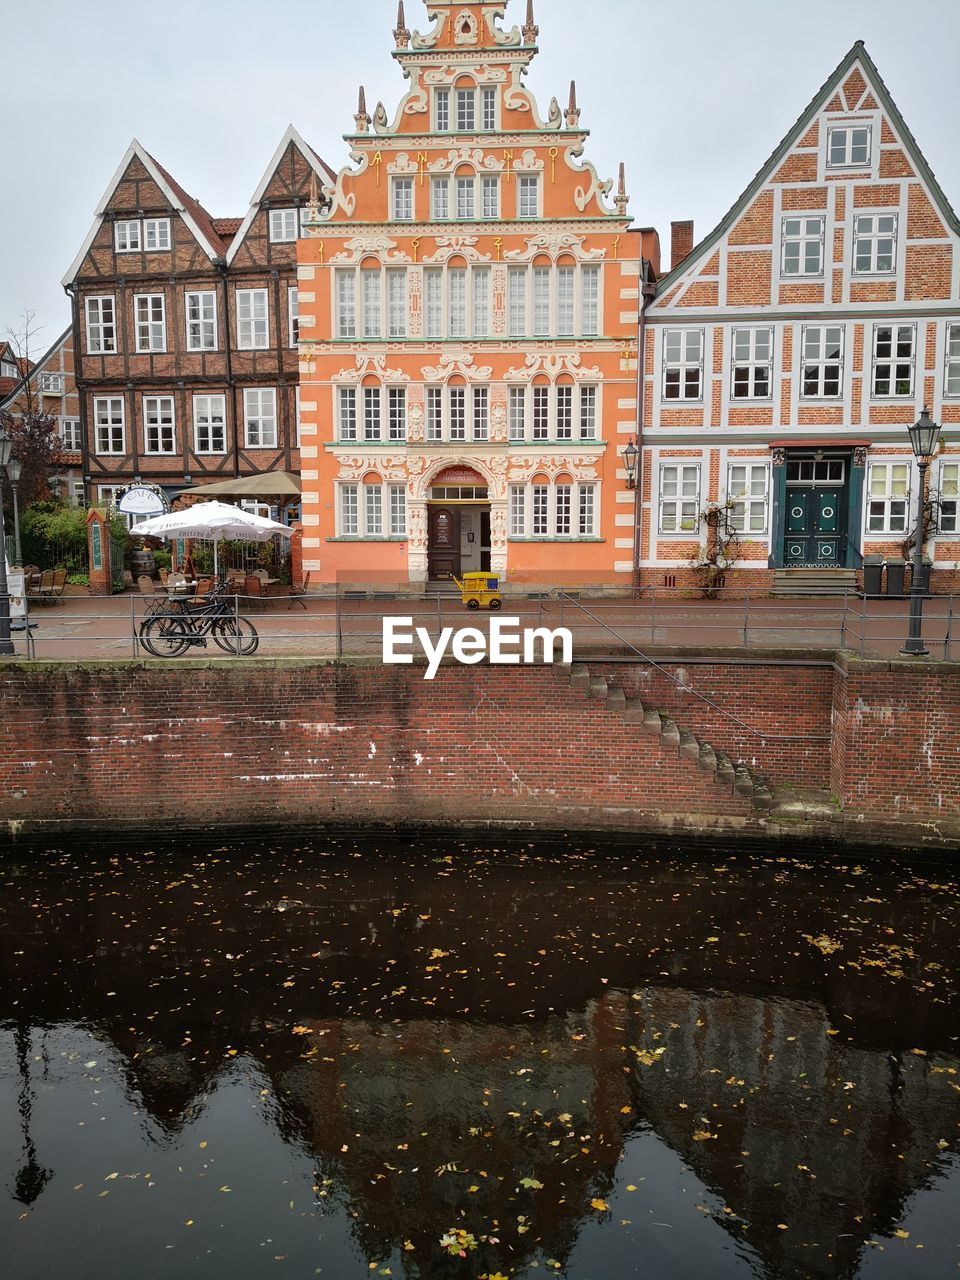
[142, 500]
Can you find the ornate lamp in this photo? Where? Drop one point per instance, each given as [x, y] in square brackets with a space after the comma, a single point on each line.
[630, 455]
[924, 435]
[6, 644]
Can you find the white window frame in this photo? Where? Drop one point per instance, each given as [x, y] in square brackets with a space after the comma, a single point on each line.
[284, 225]
[158, 231]
[440, 199]
[441, 110]
[260, 418]
[101, 330]
[750, 514]
[682, 356]
[253, 328]
[868, 237]
[150, 316]
[528, 184]
[396, 292]
[347, 414]
[489, 108]
[403, 203]
[209, 421]
[820, 361]
[159, 419]
[591, 278]
[110, 435]
[949, 485]
[397, 506]
[396, 414]
[840, 138]
[678, 514]
[747, 347]
[551, 511]
[464, 110]
[200, 317]
[345, 303]
[887, 511]
[70, 433]
[293, 316]
[489, 196]
[894, 363]
[348, 510]
[809, 233]
[123, 237]
[51, 384]
[951, 361]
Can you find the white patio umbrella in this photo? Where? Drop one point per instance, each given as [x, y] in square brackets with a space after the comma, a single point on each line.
[216, 520]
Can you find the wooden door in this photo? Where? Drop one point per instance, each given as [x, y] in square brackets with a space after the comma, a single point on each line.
[443, 546]
[814, 533]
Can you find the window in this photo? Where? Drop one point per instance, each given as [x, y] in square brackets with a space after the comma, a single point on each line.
[949, 494]
[565, 279]
[528, 196]
[466, 204]
[466, 100]
[894, 350]
[888, 497]
[370, 293]
[440, 198]
[283, 225]
[590, 302]
[540, 507]
[346, 305]
[481, 413]
[403, 199]
[748, 485]
[516, 413]
[517, 301]
[397, 304]
[564, 395]
[156, 235]
[368, 500]
[51, 384]
[252, 320]
[588, 413]
[488, 108]
[349, 511]
[481, 302]
[151, 324]
[398, 511]
[458, 413]
[126, 237]
[801, 246]
[541, 413]
[70, 436]
[490, 188]
[588, 511]
[682, 364]
[209, 424]
[875, 243]
[434, 415]
[201, 309]
[541, 302]
[518, 514]
[848, 146]
[822, 372]
[159, 431]
[347, 401]
[433, 302]
[442, 110]
[562, 507]
[260, 417]
[752, 357]
[679, 498]
[371, 413]
[951, 381]
[373, 510]
[108, 419]
[293, 314]
[397, 413]
[457, 284]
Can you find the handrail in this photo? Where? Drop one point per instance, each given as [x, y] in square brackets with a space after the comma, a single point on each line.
[764, 737]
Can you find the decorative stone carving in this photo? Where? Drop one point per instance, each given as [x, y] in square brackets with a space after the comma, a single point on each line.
[416, 525]
[579, 466]
[451, 246]
[370, 362]
[509, 39]
[429, 38]
[369, 245]
[529, 161]
[553, 244]
[445, 76]
[460, 362]
[859, 456]
[553, 364]
[415, 302]
[457, 156]
[415, 423]
[354, 466]
[465, 28]
[779, 457]
[498, 423]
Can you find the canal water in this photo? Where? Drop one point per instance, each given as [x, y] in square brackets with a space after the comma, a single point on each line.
[351, 1056]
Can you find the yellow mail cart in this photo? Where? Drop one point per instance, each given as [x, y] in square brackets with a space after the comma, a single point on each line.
[480, 591]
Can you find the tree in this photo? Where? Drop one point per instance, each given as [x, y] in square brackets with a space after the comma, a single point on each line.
[36, 442]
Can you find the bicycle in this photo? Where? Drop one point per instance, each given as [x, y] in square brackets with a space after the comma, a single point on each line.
[170, 633]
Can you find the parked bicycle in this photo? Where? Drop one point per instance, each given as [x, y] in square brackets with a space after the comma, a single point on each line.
[185, 624]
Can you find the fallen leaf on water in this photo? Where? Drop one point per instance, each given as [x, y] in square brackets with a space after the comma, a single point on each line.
[601, 1206]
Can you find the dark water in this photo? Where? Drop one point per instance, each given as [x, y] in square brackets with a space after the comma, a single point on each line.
[319, 1058]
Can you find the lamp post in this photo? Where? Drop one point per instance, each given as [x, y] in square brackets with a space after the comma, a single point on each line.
[630, 454]
[14, 467]
[924, 435]
[6, 644]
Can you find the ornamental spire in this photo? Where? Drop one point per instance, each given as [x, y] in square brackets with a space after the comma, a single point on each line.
[362, 119]
[401, 33]
[530, 28]
[621, 199]
[573, 111]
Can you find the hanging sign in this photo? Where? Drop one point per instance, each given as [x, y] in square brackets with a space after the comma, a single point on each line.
[142, 500]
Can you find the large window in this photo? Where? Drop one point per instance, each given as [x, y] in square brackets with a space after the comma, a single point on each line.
[284, 225]
[457, 302]
[848, 146]
[373, 413]
[457, 413]
[949, 496]
[260, 417]
[159, 430]
[382, 298]
[683, 364]
[346, 304]
[209, 424]
[465, 110]
[372, 510]
[679, 498]
[132, 235]
[553, 301]
[951, 380]
[201, 311]
[151, 322]
[108, 424]
[752, 363]
[888, 497]
[553, 510]
[253, 320]
[894, 355]
[801, 246]
[559, 411]
[748, 485]
[875, 243]
[822, 366]
[402, 200]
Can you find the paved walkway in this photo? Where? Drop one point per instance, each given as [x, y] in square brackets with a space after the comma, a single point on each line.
[105, 627]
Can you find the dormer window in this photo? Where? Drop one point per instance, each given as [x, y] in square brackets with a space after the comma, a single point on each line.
[283, 226]
[465, 110]
[848, 147]
[126, 236]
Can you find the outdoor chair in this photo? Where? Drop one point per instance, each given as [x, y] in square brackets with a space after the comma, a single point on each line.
[31, 580]
[59, 585]
[44, 587]
[297, 594]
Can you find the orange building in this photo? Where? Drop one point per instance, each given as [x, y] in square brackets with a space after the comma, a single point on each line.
[468, 322]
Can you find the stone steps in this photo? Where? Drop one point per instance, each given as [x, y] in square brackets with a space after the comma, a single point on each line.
[814, 582]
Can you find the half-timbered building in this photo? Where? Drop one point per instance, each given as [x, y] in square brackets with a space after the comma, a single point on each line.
[49, 387]
[787, 354]
[469, 304]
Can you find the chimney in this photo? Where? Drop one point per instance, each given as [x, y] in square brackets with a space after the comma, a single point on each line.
[681, 242]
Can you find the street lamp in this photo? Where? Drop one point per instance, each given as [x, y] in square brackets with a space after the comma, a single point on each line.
[6, 644]
[924, 435]
[630, 455]
[14, 467]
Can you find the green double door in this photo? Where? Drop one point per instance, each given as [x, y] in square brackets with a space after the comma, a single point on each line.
[814, 526]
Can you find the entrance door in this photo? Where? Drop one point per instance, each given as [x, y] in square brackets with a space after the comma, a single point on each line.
[443, 543]
[814, 528]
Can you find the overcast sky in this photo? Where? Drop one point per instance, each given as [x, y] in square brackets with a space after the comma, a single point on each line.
[693, 96]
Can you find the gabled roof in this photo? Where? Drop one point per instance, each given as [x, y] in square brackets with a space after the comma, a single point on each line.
[322, 170]
[191, 211]
[10, 388]
[858, 54]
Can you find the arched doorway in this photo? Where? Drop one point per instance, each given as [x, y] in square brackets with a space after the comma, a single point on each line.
[458, 524]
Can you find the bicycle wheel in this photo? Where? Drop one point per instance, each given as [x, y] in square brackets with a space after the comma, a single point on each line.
[226, 630]
[165, 637]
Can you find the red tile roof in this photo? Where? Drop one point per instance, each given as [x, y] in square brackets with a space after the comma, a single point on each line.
[227, 226]
[196, 210]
